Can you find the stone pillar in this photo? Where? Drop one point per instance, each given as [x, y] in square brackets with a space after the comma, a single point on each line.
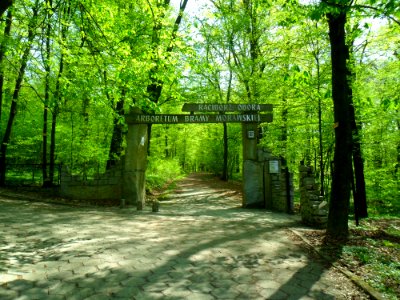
[313, 208]
[135, 164]
[249, 138]
[253, 194]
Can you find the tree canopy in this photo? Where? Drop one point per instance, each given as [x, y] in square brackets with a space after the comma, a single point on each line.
[70, 70]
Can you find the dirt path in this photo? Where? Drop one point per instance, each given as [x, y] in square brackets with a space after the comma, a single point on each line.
[203, 192]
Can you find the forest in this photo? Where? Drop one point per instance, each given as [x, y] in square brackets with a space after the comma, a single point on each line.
[71, 69]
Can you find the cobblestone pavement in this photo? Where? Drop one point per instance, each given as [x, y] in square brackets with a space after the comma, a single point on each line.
[200, 245]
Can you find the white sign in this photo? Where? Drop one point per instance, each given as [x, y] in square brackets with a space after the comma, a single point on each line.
[274, 167]
[250, 134]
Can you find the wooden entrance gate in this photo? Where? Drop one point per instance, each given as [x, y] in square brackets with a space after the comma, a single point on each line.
[249, 115]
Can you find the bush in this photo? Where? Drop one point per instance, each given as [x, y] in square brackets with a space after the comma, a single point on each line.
[159, 172]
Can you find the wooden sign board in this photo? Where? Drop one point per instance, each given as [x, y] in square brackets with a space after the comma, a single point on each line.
[205, 107]
[203, 118]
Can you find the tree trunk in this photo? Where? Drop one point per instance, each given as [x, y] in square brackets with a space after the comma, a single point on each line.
[57, 101]
[166, 151]
[397, 166]
[52, 154]
[17, 89]
[46, 179]
[225, 174]
[55, 111]
[3, 47]
[358, 162]
[359, 192]
[226, 150]
[154, 89]
[4, 5]
[341, 178]
[320, 134]
[118, 133]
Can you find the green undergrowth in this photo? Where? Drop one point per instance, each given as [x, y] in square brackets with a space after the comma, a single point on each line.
[162, 173]
[373, 252]
[169, 188]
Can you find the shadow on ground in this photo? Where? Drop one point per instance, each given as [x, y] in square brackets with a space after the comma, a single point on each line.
[198, 247]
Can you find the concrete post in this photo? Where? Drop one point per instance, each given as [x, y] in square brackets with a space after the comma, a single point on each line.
[135, 164]
[249, 138]
[253, 194]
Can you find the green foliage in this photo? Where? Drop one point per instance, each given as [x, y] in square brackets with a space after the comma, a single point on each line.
[272, 51]
[385, 270]
[159, 172]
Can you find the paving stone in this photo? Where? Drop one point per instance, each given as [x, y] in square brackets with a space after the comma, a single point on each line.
[99, 297]
[149, 296]
[102, 265]
[20, 285]
[193, 249]
[70, 266]
[155, 287]
[198, 278]
[50, 264]
[250, 296]
[115, 277]
[201, 296]
[134, 281]
[62, 288]
[243, 279]
[269, 284]
[308, 277]
[177, 293]
[85, 270]
[294, 290]
[305, 297]
[222, 293]
[52, 297]
[225, 283]
[109, 290]
[6, 294]
[273, 294]
[179, 275]
[203, 287]
[63, 275]
[92, 262]
[35, 293]
[80, 293]
[247, 289]
[127, 292]
[4, 278]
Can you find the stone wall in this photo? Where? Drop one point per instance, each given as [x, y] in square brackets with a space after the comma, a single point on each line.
[278, 186]
[125, 181]
[282, 191]
[313, 208]
[264, 187]
[107, 186]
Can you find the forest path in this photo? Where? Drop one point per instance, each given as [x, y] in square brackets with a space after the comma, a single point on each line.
[202, 193]
[200, 245]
